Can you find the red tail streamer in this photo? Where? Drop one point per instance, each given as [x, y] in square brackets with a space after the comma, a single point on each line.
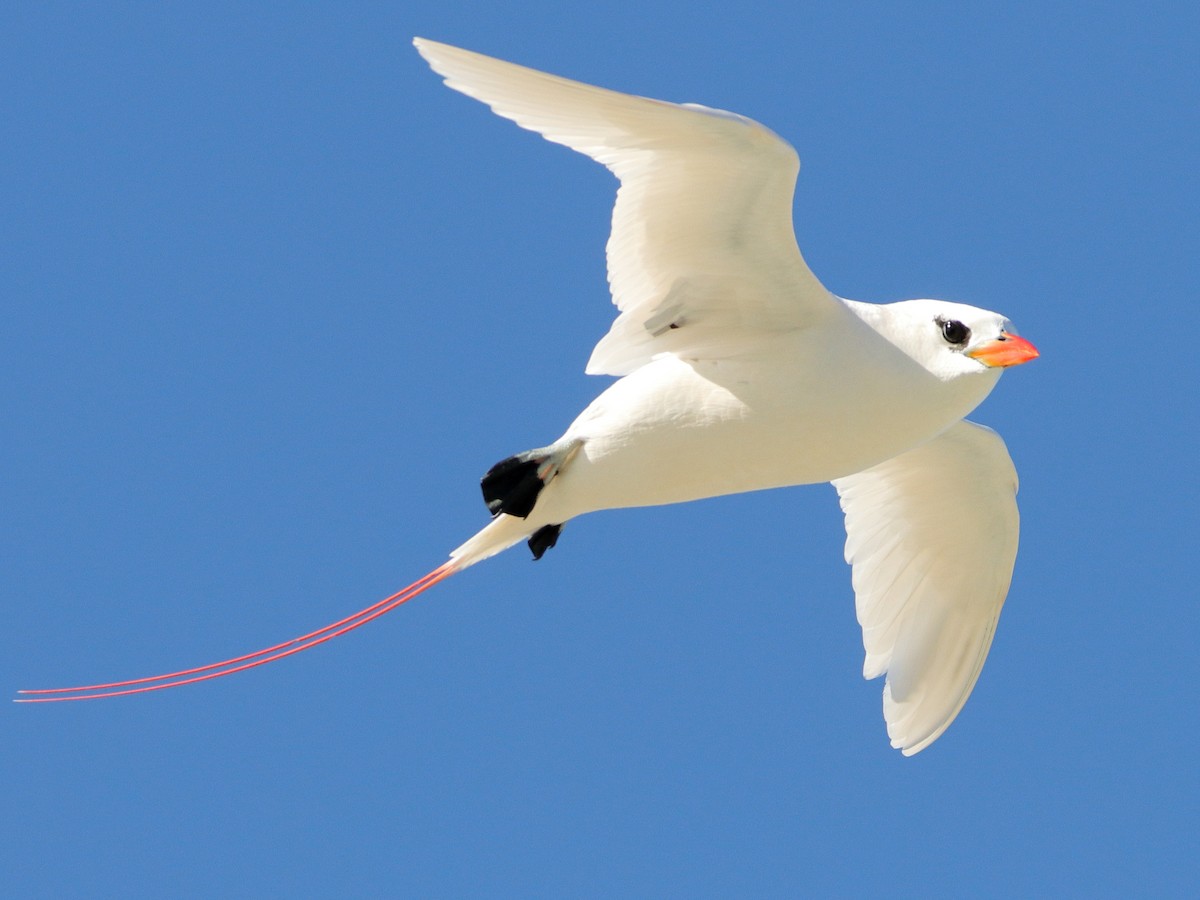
[246, 661]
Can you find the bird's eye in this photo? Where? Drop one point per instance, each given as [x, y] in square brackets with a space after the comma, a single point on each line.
[955, 332]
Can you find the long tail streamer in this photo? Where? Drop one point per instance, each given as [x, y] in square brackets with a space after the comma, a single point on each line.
[246, 661]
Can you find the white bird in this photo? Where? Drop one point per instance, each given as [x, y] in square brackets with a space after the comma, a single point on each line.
[742, 372]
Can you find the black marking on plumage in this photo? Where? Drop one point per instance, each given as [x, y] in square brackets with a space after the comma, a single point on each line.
[512, 485]
[543, 539]
[667, 316]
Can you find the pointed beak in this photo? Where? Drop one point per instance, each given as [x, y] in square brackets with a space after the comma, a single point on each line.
[1006, 350]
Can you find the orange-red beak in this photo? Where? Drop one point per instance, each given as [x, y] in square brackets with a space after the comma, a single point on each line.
[1006, 350]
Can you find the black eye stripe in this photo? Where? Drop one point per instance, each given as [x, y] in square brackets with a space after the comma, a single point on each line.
[954, 331]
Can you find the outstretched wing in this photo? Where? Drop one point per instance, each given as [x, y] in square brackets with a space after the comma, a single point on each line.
[702, 252]
[932, 536]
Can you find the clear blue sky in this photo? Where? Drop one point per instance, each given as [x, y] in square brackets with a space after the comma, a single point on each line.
[274, 298]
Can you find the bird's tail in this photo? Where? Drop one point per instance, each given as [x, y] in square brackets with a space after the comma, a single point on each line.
[500, 534]
[497, 536]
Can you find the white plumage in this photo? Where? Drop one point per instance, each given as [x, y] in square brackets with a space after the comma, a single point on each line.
[932, 537]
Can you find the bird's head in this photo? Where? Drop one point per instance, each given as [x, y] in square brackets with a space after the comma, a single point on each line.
[952, 340]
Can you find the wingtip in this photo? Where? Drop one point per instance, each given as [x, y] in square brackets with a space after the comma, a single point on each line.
[425, 46]
[436, 54]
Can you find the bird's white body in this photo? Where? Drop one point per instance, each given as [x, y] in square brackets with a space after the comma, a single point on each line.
[792, 411]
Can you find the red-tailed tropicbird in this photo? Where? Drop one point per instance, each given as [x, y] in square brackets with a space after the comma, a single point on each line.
[740, 372]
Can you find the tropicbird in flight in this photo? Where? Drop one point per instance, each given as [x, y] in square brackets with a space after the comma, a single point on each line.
[740, 372]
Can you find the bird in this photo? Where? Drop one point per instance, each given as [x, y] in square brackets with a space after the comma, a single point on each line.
[737, 371]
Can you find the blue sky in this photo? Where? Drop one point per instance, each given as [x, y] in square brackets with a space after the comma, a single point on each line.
[274, 298]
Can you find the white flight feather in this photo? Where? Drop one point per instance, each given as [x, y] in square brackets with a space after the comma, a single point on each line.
[702, 233]
[932, 538]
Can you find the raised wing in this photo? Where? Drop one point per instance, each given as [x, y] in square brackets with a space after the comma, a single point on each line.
[702, 251]
[932, 536]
